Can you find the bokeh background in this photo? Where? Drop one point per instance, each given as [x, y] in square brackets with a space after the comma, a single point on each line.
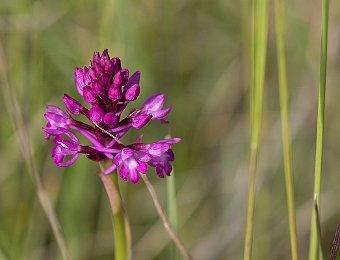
[197, 53]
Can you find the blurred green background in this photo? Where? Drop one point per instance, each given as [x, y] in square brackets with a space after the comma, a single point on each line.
[197, 53]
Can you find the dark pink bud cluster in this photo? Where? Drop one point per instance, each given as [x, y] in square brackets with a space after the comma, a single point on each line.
[107, 88]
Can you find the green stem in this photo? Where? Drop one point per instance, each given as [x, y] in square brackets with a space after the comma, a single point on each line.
[121, 228]
[172, 211]
[259, 43]
[315, 239]
[121, 252]
[251, 203]
[287, 154]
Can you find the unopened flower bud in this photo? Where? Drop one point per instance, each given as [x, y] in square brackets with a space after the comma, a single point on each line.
[132, 93]
[72, 105]
[97, 88]
[79, 80]
[111, 119]
[115, 92]
[116, 65]
[89, 96]
[96, 114]
[121, 77]
[140, 120]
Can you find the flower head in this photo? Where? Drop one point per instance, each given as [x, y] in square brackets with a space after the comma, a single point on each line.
[107, 88]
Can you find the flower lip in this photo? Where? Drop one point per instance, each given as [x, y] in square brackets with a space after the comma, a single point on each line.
[131, 164]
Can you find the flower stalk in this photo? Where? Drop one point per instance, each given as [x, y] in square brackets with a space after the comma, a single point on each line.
[121, 228]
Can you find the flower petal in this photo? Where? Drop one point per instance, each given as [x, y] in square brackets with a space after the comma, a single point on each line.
[69, 162]
[140, 120]
[110, 169]
[132, 93]
[134, 176]
[154, 103]
[72, 105]
[157, 149]
[167, 168]
[134, 79]
[57, 110]
[79, 80]
[161, 113]
[159, 172]
[142, 167]
[124, 173]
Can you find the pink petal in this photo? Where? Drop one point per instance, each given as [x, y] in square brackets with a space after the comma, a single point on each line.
[157, 149]
[124, 173]
[79, 80]
[142, 167]
[134, 177]
[110, 169]
[134, 79]
[154, 103]
[69, 162]
[160, 172]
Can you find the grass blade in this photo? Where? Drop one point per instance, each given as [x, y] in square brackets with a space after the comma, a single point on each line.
[172, 210]
[314, 238]
[259, 42]
[27, 153]
[287, 153]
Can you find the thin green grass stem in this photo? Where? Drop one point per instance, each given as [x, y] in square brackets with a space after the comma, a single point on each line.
[172, 211]
[259, 42]
[314, 246]
[26, 147]
[287, 153]
[252, 61]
